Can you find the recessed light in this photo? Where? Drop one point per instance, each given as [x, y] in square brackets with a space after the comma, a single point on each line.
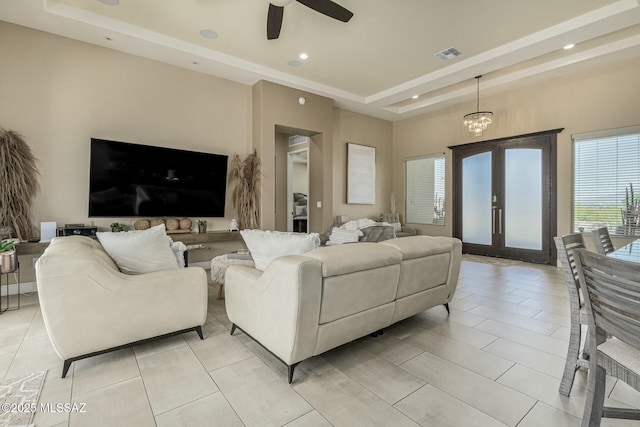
[415, 96]
[569, 46]
[303, 56]
[209, 34]
[294, 63]
[110, 2]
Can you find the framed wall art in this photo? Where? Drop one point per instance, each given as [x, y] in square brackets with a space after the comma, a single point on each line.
[361, 174]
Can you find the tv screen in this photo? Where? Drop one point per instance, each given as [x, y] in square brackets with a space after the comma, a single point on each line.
[131, 180]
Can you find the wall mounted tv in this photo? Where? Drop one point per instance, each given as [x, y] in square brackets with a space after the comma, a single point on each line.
[131, 180]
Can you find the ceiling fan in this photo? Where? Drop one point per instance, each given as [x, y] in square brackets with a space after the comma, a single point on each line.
[326, 7]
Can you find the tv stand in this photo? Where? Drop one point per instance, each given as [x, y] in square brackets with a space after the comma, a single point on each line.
[208, 237]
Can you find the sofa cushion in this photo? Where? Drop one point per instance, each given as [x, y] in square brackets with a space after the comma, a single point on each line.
[344, 259]
[420, 246]
[140, 251]
[265, 246]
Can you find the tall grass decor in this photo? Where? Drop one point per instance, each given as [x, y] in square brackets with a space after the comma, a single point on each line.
[246, 194]
[18, 184]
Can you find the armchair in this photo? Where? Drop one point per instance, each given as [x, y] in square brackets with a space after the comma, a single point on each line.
[89, 307]
[401, 230]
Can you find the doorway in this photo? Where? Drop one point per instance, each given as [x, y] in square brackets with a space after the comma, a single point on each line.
[292, 182]
[505, 197]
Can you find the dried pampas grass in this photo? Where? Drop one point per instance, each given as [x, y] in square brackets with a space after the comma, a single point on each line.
[246, 194]
[18, 184]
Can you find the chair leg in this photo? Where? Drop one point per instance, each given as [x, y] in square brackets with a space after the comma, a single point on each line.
[594, 403]
[446, 305]
[233, 328]
[65, 367]
[290, 369]
[571, 364]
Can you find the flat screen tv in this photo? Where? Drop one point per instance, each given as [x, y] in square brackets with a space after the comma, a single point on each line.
[132, 180]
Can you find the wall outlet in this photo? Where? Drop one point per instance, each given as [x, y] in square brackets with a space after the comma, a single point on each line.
[318, 204]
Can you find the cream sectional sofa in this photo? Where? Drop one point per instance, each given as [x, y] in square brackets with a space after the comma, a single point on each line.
[304, 305]
[89, 307]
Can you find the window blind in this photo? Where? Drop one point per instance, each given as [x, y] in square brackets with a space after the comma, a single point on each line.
[606, 169]
[424, 189]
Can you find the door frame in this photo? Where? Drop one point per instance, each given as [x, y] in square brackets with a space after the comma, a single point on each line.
[549, 203]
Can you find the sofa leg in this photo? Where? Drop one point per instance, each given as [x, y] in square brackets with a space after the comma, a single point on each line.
[290, 369]
[233, 328]
[199, 332]
[65, 367]
[446, 305]
[378, 332]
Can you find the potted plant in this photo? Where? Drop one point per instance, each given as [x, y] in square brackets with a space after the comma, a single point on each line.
[631, 213]
[18, 188]
[202, 226]
[8, 256]
[117, 227]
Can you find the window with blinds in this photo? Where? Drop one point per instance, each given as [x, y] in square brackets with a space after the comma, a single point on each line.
[606, 181]
[424, 190]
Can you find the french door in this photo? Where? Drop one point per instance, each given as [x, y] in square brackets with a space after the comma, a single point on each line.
[505, 197]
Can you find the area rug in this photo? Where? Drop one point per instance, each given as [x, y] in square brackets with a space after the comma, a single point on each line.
[19, 397]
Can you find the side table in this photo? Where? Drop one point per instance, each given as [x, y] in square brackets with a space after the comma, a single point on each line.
[219, 267]
[6, 274]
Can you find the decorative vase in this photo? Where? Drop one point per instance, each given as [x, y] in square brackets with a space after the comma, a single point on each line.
[202, 228]
[8, 262]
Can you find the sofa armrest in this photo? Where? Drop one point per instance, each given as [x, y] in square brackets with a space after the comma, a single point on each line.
[99, 308]
[454, 266]
[280, 307]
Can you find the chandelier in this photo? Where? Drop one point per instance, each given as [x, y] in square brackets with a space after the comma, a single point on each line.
[478, 121]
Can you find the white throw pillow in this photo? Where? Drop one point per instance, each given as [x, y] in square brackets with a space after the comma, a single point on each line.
[265, 246]
[140, 251]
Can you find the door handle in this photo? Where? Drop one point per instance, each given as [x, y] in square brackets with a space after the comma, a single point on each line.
[493, 219]
[499, 221]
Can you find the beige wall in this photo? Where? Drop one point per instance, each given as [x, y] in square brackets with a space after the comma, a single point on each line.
[365, 130]
[277, 106]
[602, 98]
[59, 93]
[280, 205]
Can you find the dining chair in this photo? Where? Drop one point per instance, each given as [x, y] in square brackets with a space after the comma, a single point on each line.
[575, 359]
[612, 299]
[602, 241]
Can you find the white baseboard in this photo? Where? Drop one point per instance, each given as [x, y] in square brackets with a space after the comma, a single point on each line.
[25, 287]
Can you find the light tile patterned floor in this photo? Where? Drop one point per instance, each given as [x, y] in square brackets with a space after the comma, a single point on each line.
[495, 361]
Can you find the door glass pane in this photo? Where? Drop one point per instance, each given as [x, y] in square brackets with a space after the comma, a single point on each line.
[523, 198]
[476, 199]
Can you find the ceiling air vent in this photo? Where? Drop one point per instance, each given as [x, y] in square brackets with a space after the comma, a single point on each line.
[297, 140]
[447, 54]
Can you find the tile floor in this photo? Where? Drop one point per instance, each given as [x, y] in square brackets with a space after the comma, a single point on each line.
[495, 361]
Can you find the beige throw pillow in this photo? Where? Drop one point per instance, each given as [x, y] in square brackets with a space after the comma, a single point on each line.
[141, 251]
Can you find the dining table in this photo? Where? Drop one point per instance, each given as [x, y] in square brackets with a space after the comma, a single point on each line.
[628, 252]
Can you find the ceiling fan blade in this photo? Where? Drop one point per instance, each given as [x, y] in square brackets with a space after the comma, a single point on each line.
[329, 8]
[274, 21]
